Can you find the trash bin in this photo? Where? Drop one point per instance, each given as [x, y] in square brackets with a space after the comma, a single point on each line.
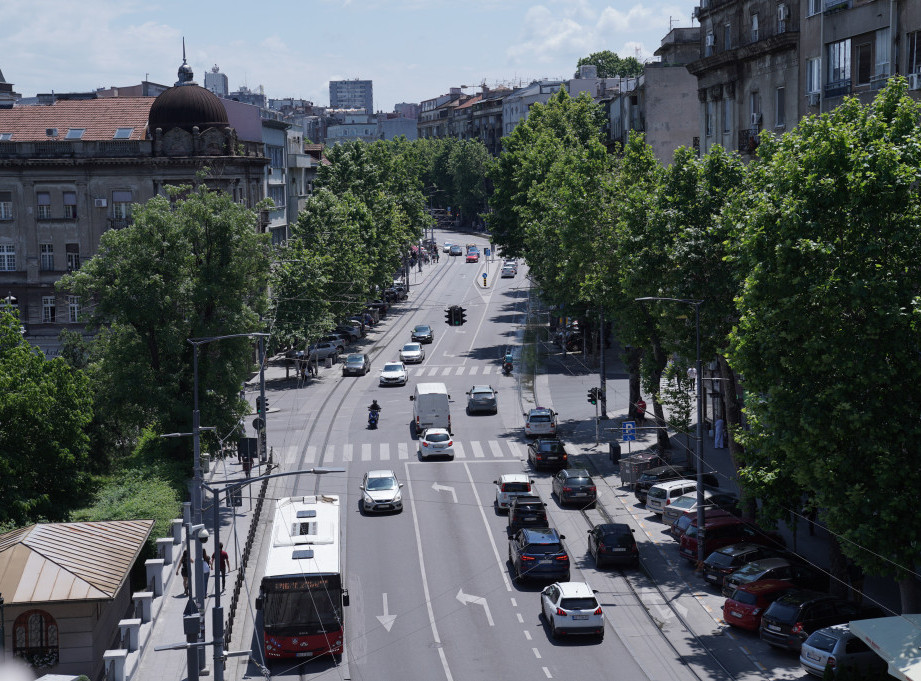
[614, 451]
[205, 463]
[328, 363]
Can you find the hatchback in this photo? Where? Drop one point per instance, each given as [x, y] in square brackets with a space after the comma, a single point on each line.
[381, 491]
[688, 502]
[571, 608]
[653, 476]
[723, 531]
[422, 333]
[526, 511]
[680, 526]
[456, 249]
[746, 605]
[802, 576]
[547, 452]
[511, 485]
[613, 544]
[473, 256]
[356, 365]
[790, 619]
[482, 398]
[436, 442]
[575, 486]
[728, 559]
[838, 650]
[538, 553]
[663, 493]
[539, 421]
[412, 353]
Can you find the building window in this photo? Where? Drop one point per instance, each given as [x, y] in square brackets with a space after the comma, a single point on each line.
[75, 133]
[727, 36]
[277, 194]
[121, 205]
[709, 45]
[839, 61]
[883, 47]
[123, 133]
[73, 257]
[73, 309]
[48, 310]
[864, 63]
[814, 75]
[70, 205]
[35, 638]
[727, 115]
[783, 16]
[43, 200]
[6, 205]
[779, 107]
[7, 258]
[47, 257]
[815, 7]
[709, 118]
[754, 28]
[276, 156]
[913, 58]
[6, 136]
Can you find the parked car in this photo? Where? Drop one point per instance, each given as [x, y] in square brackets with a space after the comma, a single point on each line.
[547, 452]
[356, 364]
[422, 333]
[381, 491]
[776, 567]
[338, 339]
[436, 442]
[539, 421]
[613, 544]
[571, 608]
[653, 476]
[722, 531]
[688, 503]
[662, 494]
[746, 605]
[526, 511]
[381, 307]
[446, 248]
[351, 333]
[394, 373]
[323, 351]
[575, 485]
[840, 651]
[538, 553]
[412, 353]
[482, 398]
[360, 323]
[510, 485]
[680, 526]
[790, 619]
[726, 560]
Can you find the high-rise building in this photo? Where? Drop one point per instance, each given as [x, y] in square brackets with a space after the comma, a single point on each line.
[216, 82]
[351, 94]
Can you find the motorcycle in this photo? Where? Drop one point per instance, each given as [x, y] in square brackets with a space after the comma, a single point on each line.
[507, 368]
[373, 416]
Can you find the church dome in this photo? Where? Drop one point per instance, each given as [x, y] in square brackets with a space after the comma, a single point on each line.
[187, 106]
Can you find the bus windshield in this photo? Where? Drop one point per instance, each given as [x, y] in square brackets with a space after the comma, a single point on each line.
[309, 610]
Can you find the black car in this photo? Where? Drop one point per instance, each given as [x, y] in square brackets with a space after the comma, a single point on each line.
[654, 476]
[730, 558]
[422, 333]
[380, 306]
[547, 452]
[356, 365]
[526, 511]
[538, 553]
[575, 485]
[613, 544]
[780, 567]
[790, 619]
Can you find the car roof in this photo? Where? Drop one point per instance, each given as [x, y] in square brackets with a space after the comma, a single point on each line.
[527, 499]
[614, 528]
[540, 410]
[669, 484]
[423, 326]
[540, 535]
[398, 365]
[766, 586]
[481, 388]
[770, 563]
[839, 631]
[574, 589]
[800, 596]
[429, 431]
[514, 477]
[382, 473]
[738, 549]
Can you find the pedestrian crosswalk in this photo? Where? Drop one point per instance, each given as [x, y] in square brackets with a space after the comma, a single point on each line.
[403, 451]
[437, 370]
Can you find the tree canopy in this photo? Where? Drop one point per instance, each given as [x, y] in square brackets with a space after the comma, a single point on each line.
[610, 65]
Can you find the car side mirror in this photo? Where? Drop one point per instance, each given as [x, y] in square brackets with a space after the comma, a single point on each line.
[345, 598]
[632, 530]
[259, 603]
[361, 487]
[589, 531]
[467, 393]
[562, 536]
[532, 482]
[412, 397]
[524, 413]
[495, 482]
[401, 484]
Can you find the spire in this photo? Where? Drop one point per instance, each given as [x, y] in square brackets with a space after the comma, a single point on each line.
[186, 76]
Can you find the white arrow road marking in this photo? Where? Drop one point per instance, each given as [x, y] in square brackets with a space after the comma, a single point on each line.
[386, 619]
[466, 599]
[445, 488]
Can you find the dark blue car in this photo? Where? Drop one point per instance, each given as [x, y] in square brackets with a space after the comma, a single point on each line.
[538, 553]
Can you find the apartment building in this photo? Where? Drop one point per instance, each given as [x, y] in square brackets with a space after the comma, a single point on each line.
[434, 113]
[352, 94]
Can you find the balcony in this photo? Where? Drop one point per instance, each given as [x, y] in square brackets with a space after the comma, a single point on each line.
[748, 140]
[836, 5]
[119, 223]
[838, 88]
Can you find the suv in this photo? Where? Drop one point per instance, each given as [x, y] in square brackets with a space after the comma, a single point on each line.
[613, 543]
[791, 618]
[575, 485]
[538, 553]
[801, 576]
[728, 559]
[664, 493]
[539, 421]
[571, 608]
[321, 351]
[723, 531]
[549, 452]
[840, 650]
[509, 486]
[654, 476]
[336, 338]
[526, 511]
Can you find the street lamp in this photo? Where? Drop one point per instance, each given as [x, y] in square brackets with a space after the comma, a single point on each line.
[700, 418]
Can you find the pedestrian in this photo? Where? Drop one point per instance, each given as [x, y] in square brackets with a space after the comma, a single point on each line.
[205, 568]
[640, 412]
[222, 560]
[420, 265]
[183, 567]
[855, 577]
[719, 434]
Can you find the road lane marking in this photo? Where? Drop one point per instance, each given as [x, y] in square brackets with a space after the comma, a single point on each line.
[536, 653]
[516, 450]
[446, 371]
[386, 619]
[547, 673]
[487, 369]
[527, 634]
[330, 453]
[366, 452]
[459, 372]
[496, 449]
[520, 618]
[347, 452]
[403, 451]
[459, 452]
[385, 451]
[477, 449]
[467, 599]
[514, 602]
[492, 540]
[311, 454]
[445, 488]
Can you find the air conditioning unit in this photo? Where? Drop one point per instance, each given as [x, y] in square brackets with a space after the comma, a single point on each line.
[914, 81]
[814, 98]
[51, 132]
[756, 119]
[100, 203]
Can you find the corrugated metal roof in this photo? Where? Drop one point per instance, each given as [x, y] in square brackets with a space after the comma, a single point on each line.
[69, 561]
[99, 117]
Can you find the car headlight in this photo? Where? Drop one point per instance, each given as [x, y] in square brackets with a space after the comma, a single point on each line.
[398, 497]
[368, 499]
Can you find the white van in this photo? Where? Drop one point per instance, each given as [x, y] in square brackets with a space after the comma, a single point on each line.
[665, 493]
[431, 408]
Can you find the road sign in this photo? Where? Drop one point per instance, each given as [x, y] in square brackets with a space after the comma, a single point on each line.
[484, 275]
[486, 252]
[629, 431]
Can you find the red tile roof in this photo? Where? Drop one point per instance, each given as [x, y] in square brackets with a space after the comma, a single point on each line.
[100, 118]
[470, 102]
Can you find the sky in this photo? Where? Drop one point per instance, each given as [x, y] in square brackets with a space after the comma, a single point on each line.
[412, 50]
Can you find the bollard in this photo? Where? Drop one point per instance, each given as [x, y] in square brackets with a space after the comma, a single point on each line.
[154, 568]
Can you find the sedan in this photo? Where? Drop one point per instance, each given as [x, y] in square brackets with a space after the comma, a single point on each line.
[473, 256]
[422, 333]
[456, 249]
[482, 398]
[412, 353]
[436, 442]
[613, 544]
[356, 365]
[394, 373]
[574, 485]
[571, 608]
[547, 452]
[447, 247]
[381, 491]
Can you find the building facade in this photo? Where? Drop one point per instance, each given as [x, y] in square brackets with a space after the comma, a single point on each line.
[352, 94]
[217, 82]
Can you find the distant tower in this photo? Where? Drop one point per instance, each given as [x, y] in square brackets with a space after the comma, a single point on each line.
[351, 94]
[7, 96]
[216, 82]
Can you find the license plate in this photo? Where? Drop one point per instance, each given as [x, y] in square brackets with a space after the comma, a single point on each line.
[710, 577]
[579, 494]
[620, 550]
[735, 614]
[580, 617]
[546, 562]
[772, 627]
[303, 654]
[530, 517]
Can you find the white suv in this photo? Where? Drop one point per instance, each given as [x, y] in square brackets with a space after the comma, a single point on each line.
[509, 486]
[539, 421]
[571, 608]
[663, 494]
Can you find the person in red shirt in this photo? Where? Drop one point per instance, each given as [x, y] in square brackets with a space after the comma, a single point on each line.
[222, 564]
[640, 411]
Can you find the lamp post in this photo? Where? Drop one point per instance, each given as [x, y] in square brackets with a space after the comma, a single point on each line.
[700, 432]
[2, 631]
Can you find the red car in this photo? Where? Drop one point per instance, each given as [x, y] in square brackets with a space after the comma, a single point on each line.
[723, 531]
[473, 256]
[747, 604]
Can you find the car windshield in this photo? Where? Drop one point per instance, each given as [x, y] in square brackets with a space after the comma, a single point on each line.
[422, 329]
[618, 539]
[393, 367]
[378, 484]
[411, 347]
[437, 437]
[744, 597]
[584, 603]
[355, 359]
[717, 559]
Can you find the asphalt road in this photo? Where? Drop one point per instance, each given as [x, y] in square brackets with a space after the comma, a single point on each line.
[431, 592]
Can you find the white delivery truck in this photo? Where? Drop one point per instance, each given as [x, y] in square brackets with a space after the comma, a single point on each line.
[431, 408]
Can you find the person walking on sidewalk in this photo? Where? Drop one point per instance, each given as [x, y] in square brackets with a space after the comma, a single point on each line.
[222, 560]
[205, 568]
[640, 412]
[183, 567]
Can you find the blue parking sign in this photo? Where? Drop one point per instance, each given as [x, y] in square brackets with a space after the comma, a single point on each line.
[629, 431]
[486, 252]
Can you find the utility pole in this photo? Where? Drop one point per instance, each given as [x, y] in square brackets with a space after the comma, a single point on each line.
[602, 366]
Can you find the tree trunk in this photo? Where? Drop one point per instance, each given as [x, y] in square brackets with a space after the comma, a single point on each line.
[660, 360]
[910, 595]
[633, 356]
[837, 566]
[732, 407]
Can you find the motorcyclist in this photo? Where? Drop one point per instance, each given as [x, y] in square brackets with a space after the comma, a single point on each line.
[507, 362]
[374, 406]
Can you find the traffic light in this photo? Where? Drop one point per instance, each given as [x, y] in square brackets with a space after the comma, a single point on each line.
[259, 408]
[449, 316]
[593, 396]
[461, 316]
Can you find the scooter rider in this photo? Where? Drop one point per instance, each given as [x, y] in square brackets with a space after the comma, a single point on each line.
[507, 363]
[374, 406]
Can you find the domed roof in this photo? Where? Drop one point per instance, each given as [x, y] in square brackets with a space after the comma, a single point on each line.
[186, 106]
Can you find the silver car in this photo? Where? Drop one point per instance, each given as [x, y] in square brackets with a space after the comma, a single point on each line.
[412, 353]
[482, 398]
[381, 491]
[836, 647]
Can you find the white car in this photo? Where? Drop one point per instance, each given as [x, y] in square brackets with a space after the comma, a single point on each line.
[394, 373]
[381, 491]
[571, 608]
[539, 421]
[412, 353]
[436, 442]
[446, 248]
[508, 272]
[663, 494]
[511, 485]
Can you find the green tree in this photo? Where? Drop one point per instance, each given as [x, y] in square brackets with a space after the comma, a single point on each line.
[828, 333]
[45, 406]
[191, 265]
[610, 65]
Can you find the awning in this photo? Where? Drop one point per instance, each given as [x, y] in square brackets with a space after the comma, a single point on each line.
[895, 639]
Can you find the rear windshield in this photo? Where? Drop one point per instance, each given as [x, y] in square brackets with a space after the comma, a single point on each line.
[549, 446]
[723, 560]
[749, 570]
[540, 418]
[584, 603]
[657, 493]
[618, 539]
[544, 548]
[684, 502]
[531, 508]
[744, 597]
[516, 487]
[438, 437]
[682, 523]
[577, 481]
[784, 612]
[822, 641]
